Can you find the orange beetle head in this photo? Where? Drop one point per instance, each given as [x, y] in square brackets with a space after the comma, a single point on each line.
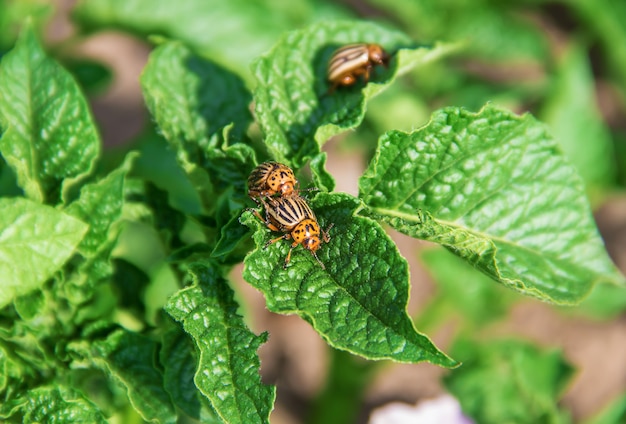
[307, 233]
[312, 243]
[377, 54]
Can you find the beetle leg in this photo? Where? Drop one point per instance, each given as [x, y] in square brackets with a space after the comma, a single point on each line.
[347, 79]
[257, 214]
[366, 72]
[332, 88]
[283, 237]
[308, 189]
[288, 257]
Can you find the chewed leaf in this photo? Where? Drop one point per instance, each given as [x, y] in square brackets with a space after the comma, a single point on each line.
[35, 241]
[49, 139]
[294, 106]
[227, 371]
[358, 303]
[493, 188]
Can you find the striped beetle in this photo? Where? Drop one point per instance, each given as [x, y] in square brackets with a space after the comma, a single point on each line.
[270, 178]
[294, 217]
[352, 60]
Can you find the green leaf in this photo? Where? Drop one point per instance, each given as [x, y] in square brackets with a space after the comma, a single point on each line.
[28, 306]
[509, 382]
[232, 32]
[495, 33]
[193, 99]
[293, 106]
[322, 179]
[605, 19]
[13, 15]
[228, 366]
[157, 163]
[5, 363]
[614, 413]
[493, 188]
[358, 303]
[35, 241]
[200, 108]
[93, 77]
[100, 206]
[130, 282]
[490, 30]
[129, 358]
[50, 139]
[606, 301]
[57, 404]
[232, 234]
[461, 290]
[8, 183]
[575, 120]
[179, 363]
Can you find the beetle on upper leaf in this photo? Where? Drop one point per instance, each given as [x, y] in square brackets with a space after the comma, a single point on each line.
[350, 61]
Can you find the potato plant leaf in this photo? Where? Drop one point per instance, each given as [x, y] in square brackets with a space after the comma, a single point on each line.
[490, 32]
[227, 371]
[179, 367]
[358, 303]
[524, 387]
[193, 99]
[463, 291]
[100, 206]
[613, 413]
[493, 188]
[35, 241]
[206, 25]
[203, 111]
[58, 404]
[293, 105]
[129, 358]
[572, 114]
[49, 137]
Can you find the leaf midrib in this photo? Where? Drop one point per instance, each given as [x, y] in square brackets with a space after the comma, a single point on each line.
[412, 218]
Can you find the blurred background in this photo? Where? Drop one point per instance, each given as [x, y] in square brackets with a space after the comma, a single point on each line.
[563, 61]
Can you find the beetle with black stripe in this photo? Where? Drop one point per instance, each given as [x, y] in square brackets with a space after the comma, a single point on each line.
[271, 178]
[294, 217]
[352, 60]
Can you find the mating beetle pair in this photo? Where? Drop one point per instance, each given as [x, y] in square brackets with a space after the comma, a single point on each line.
[288, 212]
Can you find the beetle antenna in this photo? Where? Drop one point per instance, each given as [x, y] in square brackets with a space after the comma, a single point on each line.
[318, 260]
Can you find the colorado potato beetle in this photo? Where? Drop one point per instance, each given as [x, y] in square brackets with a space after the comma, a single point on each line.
[294, 217]
[352, 60]
[270, 178]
